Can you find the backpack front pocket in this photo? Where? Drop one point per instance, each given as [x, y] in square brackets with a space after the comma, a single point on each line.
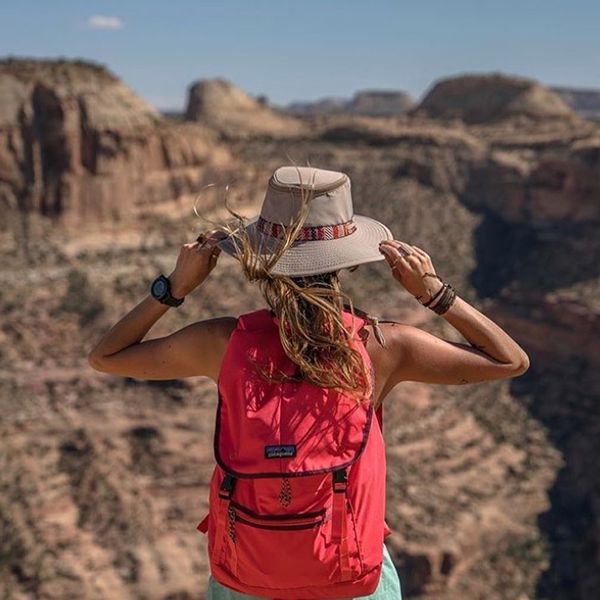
[287, 522]
[286, 551]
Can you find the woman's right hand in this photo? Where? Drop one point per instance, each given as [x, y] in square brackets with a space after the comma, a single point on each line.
[410, 266]
[195, 262]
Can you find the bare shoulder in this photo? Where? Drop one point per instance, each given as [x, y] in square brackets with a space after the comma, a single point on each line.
[223, 326]
[218, 330]
[414, 354]
[208, 341]
[385, 359]
[394, 333]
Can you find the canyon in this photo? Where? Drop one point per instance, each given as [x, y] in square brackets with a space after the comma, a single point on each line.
[492, 487]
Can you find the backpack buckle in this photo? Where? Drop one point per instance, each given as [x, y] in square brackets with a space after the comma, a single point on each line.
[340, 480]
[227, 486]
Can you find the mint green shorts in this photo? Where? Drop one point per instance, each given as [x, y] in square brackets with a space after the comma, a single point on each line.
[388, 588]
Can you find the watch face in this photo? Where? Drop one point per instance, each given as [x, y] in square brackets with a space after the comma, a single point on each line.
[159, 287]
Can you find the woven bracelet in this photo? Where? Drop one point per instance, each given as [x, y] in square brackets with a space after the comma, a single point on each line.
[446, 302]
[440, 291]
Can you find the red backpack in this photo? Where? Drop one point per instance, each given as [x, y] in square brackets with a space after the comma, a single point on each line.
[297, 498]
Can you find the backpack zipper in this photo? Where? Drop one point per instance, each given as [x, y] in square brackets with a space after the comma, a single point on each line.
[281, 522]
[277, 527]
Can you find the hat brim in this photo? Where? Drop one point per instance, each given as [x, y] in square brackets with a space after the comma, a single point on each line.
[305, 257]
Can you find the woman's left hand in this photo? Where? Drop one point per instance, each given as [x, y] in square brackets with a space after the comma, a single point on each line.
[195, 262]
[412, 267]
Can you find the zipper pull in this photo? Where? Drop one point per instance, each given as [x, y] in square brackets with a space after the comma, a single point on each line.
[231, 524]
[285, 495]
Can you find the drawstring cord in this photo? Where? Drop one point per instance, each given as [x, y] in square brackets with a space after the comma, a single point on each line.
[374, 321]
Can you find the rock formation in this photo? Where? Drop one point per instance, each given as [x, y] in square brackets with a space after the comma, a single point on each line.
[546, 191]
[226, 108]
[583, 101]
[75, 141]
[372, 103]
[492, 487]
[491, 98]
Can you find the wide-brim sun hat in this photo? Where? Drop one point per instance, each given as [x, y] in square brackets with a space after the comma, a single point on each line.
[333, 237]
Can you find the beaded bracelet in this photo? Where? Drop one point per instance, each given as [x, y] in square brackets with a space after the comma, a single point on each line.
[443, 299]
[440, 291]
[446, 300]
[432, 298]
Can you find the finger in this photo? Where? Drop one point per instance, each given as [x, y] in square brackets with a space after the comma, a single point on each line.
[208, 246]
[211, 244]
[212, 261]
[420, 252]
[403, 247]
[400, 266]
[414, 258]
[214, 234]
[395, 259]
[409, 250]
[390, 250]
[396, 250]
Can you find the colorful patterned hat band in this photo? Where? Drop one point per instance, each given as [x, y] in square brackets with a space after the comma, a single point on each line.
[313, 233]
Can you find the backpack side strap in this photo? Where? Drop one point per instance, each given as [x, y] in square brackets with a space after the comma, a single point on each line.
[224, 528]
[339, 530]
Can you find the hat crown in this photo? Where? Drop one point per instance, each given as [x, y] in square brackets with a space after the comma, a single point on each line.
[330, 190]
[319, 180]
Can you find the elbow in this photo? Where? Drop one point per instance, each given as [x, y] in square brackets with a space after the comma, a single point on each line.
[522, 365]
[95, 362]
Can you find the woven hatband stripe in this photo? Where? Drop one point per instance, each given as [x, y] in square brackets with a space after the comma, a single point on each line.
[313, 233]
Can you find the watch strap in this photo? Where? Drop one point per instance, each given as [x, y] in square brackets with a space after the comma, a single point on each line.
[166, 298]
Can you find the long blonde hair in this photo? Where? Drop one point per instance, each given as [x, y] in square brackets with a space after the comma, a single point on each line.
[308, 309]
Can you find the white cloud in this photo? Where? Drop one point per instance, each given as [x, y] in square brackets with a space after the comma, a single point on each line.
[104, 22]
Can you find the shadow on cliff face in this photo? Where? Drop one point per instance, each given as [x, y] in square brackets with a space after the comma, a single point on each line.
[501, 249]
[563, 400]
[561, 394]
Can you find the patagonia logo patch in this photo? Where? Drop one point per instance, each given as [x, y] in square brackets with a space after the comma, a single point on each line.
[286, 451]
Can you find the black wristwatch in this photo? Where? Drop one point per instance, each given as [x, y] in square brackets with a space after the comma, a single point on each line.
[161, 290]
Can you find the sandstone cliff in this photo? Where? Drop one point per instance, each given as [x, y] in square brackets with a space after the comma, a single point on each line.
[76, 142]
[226, 108]
[492, 97]
[372, 103]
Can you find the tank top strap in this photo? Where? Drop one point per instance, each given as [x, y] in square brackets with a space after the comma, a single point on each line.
[372, 320]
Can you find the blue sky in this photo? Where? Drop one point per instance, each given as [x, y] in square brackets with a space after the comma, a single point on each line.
[305, 49]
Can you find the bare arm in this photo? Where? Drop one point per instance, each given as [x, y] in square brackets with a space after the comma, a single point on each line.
[194, 350]
[416, 355]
